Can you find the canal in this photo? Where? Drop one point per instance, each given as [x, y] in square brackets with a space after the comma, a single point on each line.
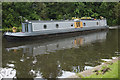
[58, 57]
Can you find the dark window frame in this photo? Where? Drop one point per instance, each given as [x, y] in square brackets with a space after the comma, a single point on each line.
[84, 24]
[57, 25]
[45, 26]
[97, 23]
[71, 25]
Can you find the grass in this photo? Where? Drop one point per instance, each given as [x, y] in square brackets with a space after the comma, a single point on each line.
[113, 73]
[1, 29]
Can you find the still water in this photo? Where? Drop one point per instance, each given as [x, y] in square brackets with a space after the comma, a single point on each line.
[58, 57]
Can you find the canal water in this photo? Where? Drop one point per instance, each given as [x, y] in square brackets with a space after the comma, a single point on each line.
[57, 57]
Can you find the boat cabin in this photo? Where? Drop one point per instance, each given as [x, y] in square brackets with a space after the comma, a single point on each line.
[33, 26]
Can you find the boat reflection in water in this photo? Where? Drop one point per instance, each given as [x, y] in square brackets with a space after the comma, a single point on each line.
[58, 58]
[60, 44]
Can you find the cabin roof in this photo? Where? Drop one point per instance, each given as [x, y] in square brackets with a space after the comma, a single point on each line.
[44, 21]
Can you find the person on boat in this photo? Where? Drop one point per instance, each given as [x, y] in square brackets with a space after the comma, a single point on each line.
[101, 17]
[14, 29]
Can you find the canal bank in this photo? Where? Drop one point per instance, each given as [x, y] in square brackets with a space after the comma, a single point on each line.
[107, 69]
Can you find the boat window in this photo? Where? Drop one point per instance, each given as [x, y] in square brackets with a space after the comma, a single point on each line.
[26, 28]
[29, 27]
[71, 25]
[84, 24]
[57, 25]
[97, 23]
[45, 26]
[78, 24]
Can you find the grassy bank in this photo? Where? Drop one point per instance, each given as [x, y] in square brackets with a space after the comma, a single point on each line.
[111, 73]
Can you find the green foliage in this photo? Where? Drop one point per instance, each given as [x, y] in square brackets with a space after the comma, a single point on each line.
[57, 11]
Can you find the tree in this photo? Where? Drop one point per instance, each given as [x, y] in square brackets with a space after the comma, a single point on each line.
[57, 11]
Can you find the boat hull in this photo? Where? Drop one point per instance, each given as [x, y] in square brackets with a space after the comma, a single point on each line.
[37, 36]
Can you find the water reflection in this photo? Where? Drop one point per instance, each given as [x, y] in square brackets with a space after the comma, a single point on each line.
[58, 58]
[59, 44]
[7, 73]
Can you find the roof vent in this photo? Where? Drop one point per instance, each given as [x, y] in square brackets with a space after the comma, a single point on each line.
[26, 20]
[76, 19]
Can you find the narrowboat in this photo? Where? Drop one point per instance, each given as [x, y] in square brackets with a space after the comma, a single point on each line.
[33, 28]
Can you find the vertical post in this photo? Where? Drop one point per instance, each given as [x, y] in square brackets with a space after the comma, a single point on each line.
[20, 19]
[75, 23]
[81, 24]
[23, 27]
[1, 35]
